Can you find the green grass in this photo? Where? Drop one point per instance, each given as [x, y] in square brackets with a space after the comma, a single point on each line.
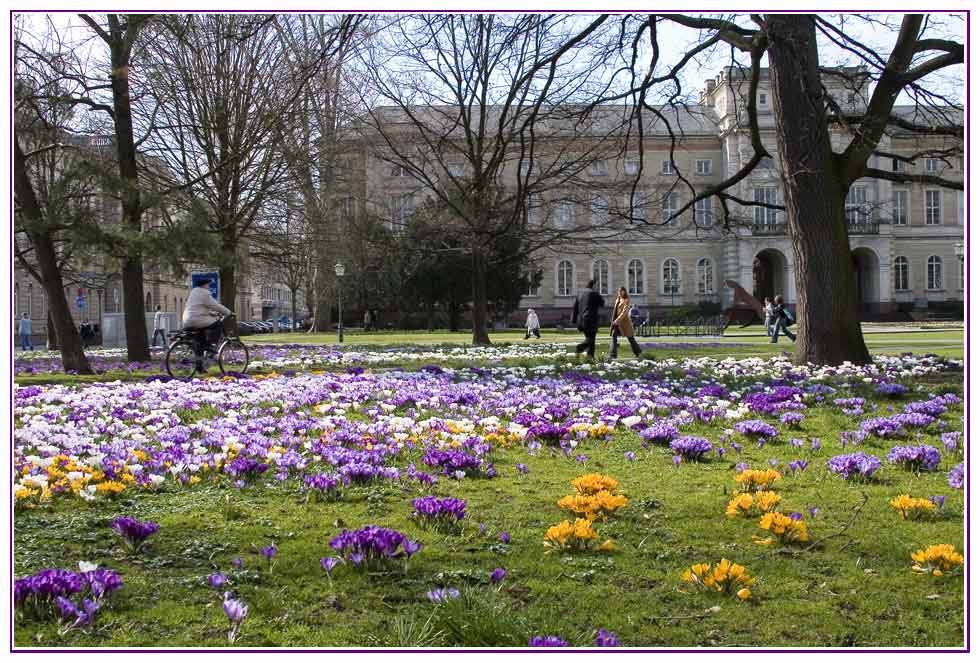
[736, 343]
[853, 588]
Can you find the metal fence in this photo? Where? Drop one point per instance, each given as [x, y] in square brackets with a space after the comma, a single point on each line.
[713, 325]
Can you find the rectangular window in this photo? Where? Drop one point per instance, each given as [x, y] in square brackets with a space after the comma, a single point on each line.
[599, 168]
[402, 206]
[533, 205]
[632, 166]
[600, 210]
[900, 207]
[563, 215]
[856, 204]
[455, 169]
[932, 165]
[671, 205]
[398, 171]
[765, 216]
[763, 99]
[934, 207]
[702, 213]
[531, 290]
[524, 168]
[635, 207]
[702, 166]
[766, 163]
[898, 166]
[666, 167]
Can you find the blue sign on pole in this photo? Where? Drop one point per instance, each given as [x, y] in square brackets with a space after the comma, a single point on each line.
[80, 301]
[197, 277]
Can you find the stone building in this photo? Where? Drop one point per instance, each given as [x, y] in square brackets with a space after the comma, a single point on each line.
[906, 239]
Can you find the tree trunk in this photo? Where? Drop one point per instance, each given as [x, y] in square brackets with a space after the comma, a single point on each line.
[228, 267]
[827, 307]
[292, 325]
[480, 335]
[52, 333]
[134, 307]
[59, 315]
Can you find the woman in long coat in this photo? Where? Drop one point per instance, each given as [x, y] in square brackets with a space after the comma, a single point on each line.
[621, 325]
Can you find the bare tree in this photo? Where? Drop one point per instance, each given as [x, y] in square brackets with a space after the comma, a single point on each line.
[321, 48]
[475, 110]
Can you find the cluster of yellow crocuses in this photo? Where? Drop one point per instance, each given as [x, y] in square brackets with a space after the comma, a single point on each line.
[594, 498]
[724, 577]
[912, 507]
[936, 559]
[764, 502]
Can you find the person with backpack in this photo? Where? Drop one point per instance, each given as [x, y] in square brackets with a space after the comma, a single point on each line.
[532, 324]
[782, 318]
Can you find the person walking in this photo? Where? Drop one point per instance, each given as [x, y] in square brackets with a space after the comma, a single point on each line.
[25, 327]
[767, 309]
[158, 328]
[781, 320]
[622, 325]
[85, 332]
[585, 313]
[532, 324]
[367, 320]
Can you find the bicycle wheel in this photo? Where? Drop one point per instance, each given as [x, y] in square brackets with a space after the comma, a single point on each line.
[233, 356]
[181, 359]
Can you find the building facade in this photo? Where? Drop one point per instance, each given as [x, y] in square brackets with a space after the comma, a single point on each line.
[906, 239]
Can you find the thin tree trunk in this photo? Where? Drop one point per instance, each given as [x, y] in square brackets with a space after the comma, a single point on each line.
[292, 325]
[59, 315]
[827, 310]
[134, 307]
[480, 335]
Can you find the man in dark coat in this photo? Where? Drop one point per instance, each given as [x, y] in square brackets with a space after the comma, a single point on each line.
[585, 313]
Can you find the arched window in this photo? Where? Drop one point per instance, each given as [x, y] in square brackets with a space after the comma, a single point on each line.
[600, 274]
[706, 276]
[634, 277]
[934, 273]
[901, 269]
[671, 274]
[564, 278]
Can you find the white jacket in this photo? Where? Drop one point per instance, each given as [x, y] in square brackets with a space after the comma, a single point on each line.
[201, 309]
[532, 321]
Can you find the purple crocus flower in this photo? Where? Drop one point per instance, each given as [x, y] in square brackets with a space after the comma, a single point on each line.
[546, 641]
[134, 532]
[522, 469]
[498, 575]
[217, 579]
[691, 448]
[630, 456]
[917, 458]
[938, 500]
[859, 465]
[270, 551]
[328, 563]
[581, 458]
[677, 461]
[234, 609]
[504, 537]
[607, 639]
[443, 594]
[813, 511]
[955, 477]
[815, 443]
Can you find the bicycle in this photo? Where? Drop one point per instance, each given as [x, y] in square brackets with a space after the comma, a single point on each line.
[190, 352]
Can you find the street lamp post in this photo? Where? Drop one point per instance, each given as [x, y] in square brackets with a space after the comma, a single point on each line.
[339, 271]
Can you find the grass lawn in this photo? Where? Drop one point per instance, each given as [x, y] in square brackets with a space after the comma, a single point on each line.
[850, 585]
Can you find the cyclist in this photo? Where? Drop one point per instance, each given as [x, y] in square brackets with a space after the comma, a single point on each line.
[200, 312]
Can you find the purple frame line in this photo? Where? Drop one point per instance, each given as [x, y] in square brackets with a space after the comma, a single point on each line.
[966, 258]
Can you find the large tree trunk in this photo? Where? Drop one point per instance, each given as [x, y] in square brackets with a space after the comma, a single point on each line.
[59, 315]
[827, 308]
[134, 307]
[480, 335]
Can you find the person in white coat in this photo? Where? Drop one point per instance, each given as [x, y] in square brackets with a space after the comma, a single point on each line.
[201, 310]
[532, 324]
[158, 328]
